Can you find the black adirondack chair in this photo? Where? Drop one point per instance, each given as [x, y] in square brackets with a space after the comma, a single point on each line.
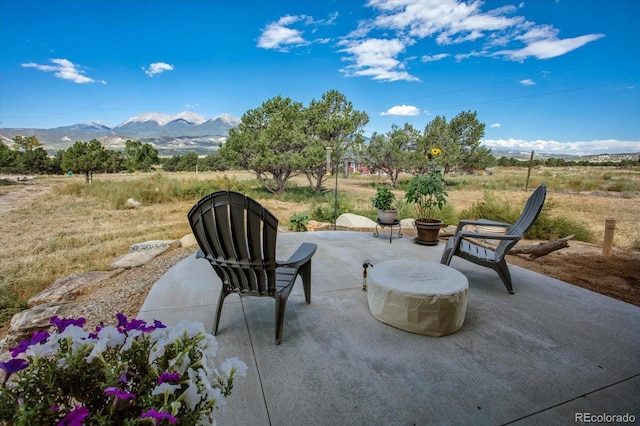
[238, 237]
[460, 245]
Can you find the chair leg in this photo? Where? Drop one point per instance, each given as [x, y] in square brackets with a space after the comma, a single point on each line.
[447, 254]
[305, 274]
[281, 306]
[223, 293]
[503, 270]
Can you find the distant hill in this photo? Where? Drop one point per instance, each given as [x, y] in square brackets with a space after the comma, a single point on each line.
[599, 158]
[169, 134]
[190, 132]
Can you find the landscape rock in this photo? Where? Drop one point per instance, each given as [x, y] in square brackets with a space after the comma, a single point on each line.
[314, 225]
[24, 323]
[407, 227]
[136, 258]
[188, 240]
[132, 203]
[354, 222]
[68, 288]
[151, 245]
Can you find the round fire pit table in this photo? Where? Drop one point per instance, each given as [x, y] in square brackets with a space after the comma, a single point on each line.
[421, 297]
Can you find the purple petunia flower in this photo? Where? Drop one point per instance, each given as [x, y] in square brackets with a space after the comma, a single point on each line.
[134, 324]
[159, 416]
[123, 378]
[158, 324]
[167, 377]
[62, 323]
[13, 366]
[119, 394]
[75, 417]
[38, 337]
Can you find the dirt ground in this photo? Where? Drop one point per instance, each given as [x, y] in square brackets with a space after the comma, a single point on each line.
[579, 264]
[584, 265]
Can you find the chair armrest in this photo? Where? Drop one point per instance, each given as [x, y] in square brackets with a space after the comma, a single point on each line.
[300, 257]
[470, 234]
[483, 222]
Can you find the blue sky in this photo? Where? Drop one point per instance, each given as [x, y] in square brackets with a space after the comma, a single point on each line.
[547, 75]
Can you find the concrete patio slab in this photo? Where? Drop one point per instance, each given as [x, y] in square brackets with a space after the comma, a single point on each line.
[537, 357]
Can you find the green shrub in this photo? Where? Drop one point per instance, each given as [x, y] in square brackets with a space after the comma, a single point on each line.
[154, 189]
[299, 221]
[324, 208]
[492, 209]
[546, 227]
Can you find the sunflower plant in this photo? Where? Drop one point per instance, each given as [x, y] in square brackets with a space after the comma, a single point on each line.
[130, 374]
[426, 191]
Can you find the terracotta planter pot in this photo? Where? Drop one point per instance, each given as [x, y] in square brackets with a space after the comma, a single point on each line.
[428, 230]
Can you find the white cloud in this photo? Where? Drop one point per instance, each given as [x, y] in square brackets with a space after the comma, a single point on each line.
[377, 58]
[606, 146]
[527, 82]
[435, 58]
[280, 35]
[157, 68]
[402, 110]
[277, 35]
[495, 125]
[549, 47]
[65, 70]
[376, 47]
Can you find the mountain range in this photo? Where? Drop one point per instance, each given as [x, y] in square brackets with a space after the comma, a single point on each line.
[190, 132]
[169, 134]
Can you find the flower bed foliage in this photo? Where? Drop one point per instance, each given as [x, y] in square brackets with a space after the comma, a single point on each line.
[132, 373]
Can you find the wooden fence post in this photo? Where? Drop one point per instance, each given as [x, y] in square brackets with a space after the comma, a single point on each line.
[526, 185]
[609, 230]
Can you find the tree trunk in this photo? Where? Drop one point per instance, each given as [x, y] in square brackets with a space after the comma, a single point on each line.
[538, 250]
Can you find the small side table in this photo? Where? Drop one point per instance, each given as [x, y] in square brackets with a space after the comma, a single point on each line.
[391, 225]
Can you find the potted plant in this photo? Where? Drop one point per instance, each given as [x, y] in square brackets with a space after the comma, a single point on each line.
[132, 373]
[427, 193]
[385, 202]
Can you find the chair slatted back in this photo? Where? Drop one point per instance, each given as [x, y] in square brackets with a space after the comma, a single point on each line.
[529, 214]
[238, 236]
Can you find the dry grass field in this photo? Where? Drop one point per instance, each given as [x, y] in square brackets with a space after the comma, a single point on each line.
[47, 231]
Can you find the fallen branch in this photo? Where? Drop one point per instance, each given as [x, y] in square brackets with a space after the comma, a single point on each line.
[538, 250]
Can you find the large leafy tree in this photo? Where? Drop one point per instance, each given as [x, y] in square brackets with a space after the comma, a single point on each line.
[391, 152]
[270, 141]
[85, 158]
[35, 161]
[465, 132]
[140, 157]
[8, 158]
[435, 136]
[29, 156]
[478, 158]
[459, 141]
[26, 143]
[330, 122]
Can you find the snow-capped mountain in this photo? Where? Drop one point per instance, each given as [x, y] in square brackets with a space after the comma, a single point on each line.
[94, 126]
[183, 132]
[162, 119]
